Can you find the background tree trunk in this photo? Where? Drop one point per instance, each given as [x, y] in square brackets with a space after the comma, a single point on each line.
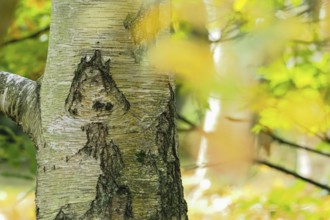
[106, 134]
[7, 10]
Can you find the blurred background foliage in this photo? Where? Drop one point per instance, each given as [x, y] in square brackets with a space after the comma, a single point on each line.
[24, 27]
[253, 108]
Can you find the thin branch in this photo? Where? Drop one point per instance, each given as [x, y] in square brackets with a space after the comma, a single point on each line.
[3, 160]
[15, 175]
[185, 129]
[295, 145]
[19, 100]
[320, 42]
[294, 174]
[31, 36]
[188, 122]
[266, 163]
[189, 167]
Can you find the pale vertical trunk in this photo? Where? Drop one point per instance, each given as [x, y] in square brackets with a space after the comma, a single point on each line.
[226, 118]
[103, 120]
[324, 17]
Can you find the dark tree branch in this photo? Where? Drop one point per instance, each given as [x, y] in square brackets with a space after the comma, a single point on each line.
[295, 145]
[31, 36]
[270, 165]
[191, 124]
[318, 42]
[266, 163]
[3, 160]
[294, 174]
[16, 175]
[184, 129]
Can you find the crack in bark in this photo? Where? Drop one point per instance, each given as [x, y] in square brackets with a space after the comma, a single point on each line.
[96, 140]
[62, 216]
[93, 92]
[65, 213]
[147, 158]
[170, 186]
[112, 200]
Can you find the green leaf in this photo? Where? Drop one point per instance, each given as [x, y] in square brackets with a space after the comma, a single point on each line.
[296, 3]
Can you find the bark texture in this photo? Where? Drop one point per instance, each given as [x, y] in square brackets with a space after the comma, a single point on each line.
[107, 146]
[19, 100]
[102, 119]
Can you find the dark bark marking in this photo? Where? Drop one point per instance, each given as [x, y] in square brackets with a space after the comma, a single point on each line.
[140, 156]
[128, 21]
[111, 160]
[65, 213]
[37, 211]
[94, 77]
[62, 216]
[147, 158]
[96, 139]
[99, 106]
[171, 191]
[123, 202]
[113, 200]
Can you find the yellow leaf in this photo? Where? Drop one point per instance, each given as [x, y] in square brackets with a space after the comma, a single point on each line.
[190, 11]
[296, 2]
[189, 59]
[304, 110]
[307, 110]
[239, 4]
[147, 24]
[36, 3]
[303, 77]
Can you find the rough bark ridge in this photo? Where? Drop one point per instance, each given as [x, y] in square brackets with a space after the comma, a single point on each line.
[105, 130]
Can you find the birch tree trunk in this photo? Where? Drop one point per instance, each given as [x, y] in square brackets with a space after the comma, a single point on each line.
[102, 120]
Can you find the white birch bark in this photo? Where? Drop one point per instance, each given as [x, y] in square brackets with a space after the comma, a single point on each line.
[107, 142]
